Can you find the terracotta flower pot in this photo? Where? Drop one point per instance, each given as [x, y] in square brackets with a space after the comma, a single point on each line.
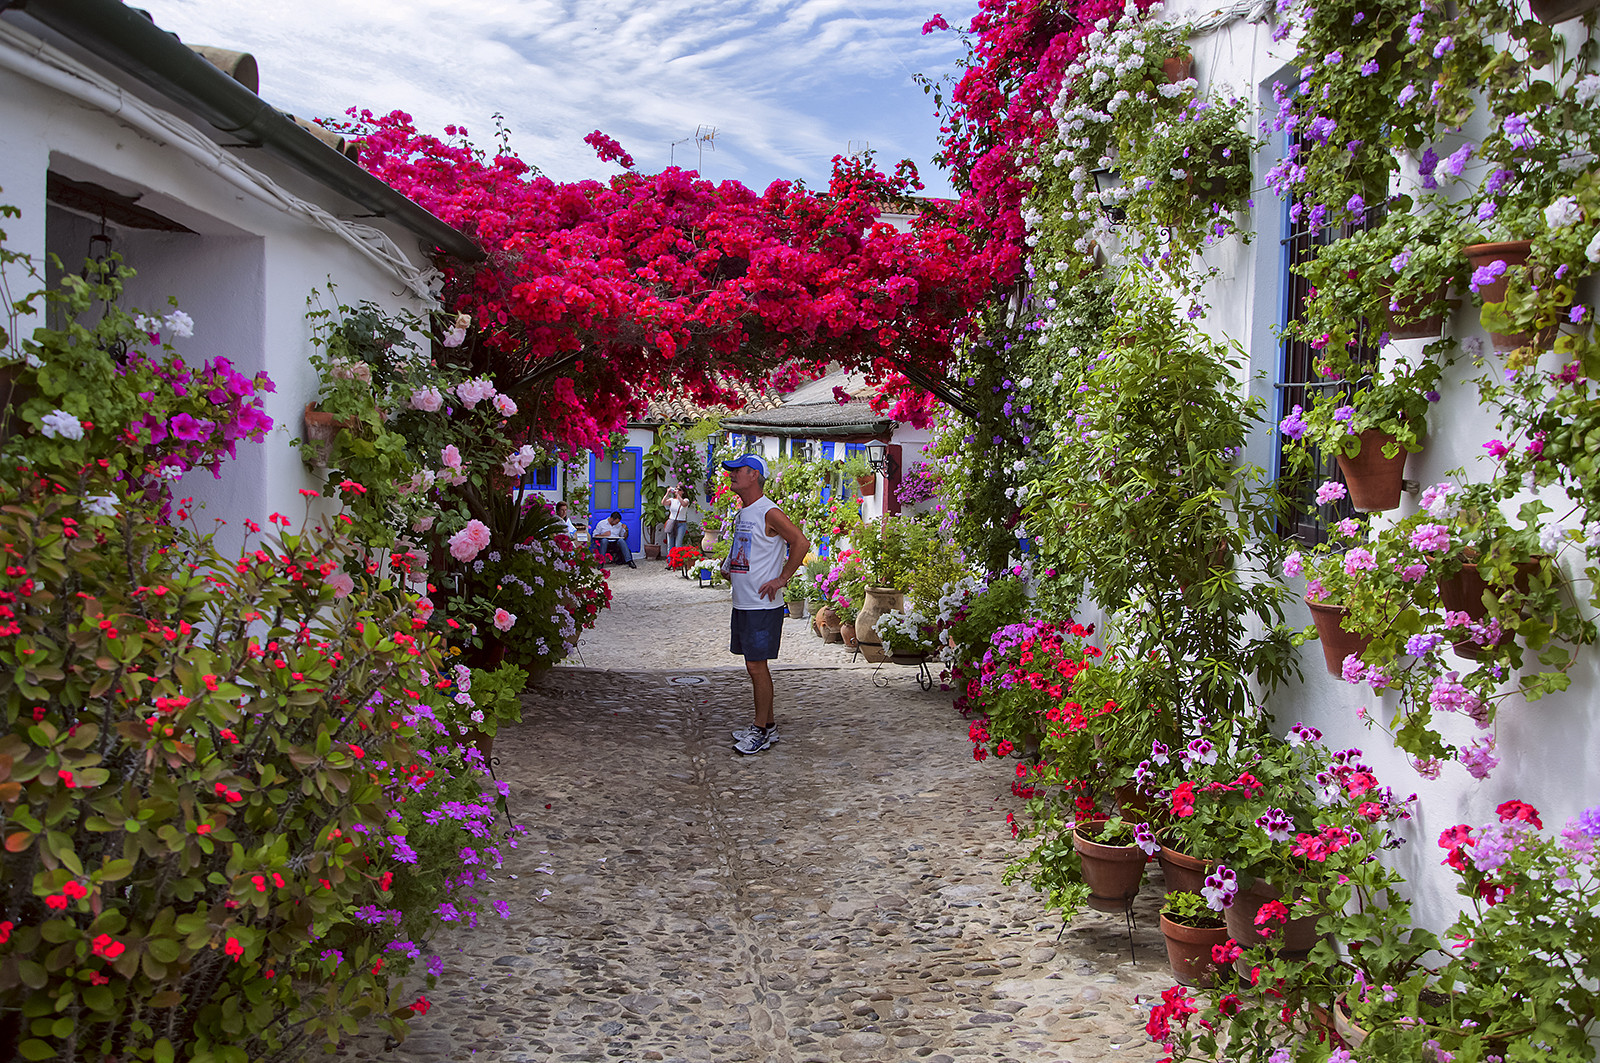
[1189, 951]
[1463, 593]
[1513, 253]
[321, 428]
[1551, 12]
[1373, 479]
[652, 551]
[878, 600]
[1417, 327]
[1294, 938]
[1177, 67]
[848, 633]
[1112, 872]
[1337, 643]
[1184, 873]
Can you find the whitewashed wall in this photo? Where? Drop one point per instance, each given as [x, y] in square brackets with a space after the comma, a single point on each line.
[244, 277]
[1550, 750]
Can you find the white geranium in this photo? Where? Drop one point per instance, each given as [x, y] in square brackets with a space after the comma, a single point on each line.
[180, 324]
[101, 505]
[1563, 212]
[61, 424]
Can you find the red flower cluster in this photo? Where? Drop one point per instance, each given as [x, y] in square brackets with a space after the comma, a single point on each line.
[668, 283]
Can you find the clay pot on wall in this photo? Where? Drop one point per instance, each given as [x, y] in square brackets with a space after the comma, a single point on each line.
[1374, 480]
[1337, 643]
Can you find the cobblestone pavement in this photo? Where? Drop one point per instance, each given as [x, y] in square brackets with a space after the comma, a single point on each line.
[837, 897]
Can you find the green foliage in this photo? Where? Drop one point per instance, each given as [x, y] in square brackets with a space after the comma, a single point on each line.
[188, 766]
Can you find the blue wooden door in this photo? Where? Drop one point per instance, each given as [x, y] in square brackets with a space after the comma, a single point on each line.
[614, 487]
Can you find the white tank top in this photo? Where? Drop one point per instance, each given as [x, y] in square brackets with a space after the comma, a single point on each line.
[755, 557]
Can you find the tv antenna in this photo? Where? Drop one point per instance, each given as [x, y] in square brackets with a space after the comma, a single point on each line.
[704, 135]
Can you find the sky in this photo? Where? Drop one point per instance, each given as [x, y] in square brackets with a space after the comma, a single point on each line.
[785, 84]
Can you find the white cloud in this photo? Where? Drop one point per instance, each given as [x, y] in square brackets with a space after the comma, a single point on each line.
[786, 83]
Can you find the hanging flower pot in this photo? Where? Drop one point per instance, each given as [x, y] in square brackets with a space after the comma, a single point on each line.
[321, 429]
[1337, 643]
[1293, 938]
[1177, 67]
[867, 485]
[1414, 325]
[1551, 12]
[1463, 593]
[1374, 480]
[1112, 872]
[1513, 253]
[1189, 950]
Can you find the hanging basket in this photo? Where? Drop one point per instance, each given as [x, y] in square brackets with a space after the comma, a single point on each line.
[1375, 481]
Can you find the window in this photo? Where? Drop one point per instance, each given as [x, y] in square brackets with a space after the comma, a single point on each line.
[541, 479]
[1298, 383]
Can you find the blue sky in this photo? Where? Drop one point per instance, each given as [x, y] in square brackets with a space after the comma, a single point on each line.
[786, 84]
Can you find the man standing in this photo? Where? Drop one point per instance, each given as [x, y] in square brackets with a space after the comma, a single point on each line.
[759, 570]
[613, 535]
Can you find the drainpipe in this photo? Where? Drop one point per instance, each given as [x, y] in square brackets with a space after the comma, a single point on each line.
[128, 40]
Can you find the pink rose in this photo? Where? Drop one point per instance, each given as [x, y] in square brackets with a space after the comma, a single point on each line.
[466, 543]
[503, 620]
[450, 457]
[506, 407]
[427, 400]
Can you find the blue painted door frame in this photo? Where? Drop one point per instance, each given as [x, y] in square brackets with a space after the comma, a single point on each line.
[614, 486]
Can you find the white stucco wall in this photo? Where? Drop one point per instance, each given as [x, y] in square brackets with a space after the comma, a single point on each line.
[1550, 750]
[244, 277]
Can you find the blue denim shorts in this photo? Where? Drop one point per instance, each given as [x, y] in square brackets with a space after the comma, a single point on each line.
[756, 633]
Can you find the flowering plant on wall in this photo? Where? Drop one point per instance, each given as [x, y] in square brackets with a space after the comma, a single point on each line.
[118, 394]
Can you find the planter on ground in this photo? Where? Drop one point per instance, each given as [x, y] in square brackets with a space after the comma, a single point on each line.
[1112, 872]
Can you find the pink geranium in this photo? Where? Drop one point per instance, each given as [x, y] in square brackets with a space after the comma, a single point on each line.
[466, 543]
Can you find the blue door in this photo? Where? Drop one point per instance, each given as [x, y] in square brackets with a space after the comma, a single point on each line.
[613, 487]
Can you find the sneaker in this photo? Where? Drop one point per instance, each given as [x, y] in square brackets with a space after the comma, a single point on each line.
[633, 564]
[772, 732]
[755, 740]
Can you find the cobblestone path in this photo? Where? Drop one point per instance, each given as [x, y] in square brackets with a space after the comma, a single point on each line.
[837, 897]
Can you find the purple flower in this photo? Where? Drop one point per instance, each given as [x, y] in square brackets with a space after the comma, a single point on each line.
[1496, 449]
[1278, 824]
[1486, 275]
[1577, 314]
[1444, 47]
[1479, 758]
[1294, 425]
[1220, 888]
[1369, 68]
[1427, 164]
[1414, 27]
[1352, 671]
[436, 965]
[1431, 396]
[1400, 261]
[1496, 182]
[1406, 95]
[1331, 491]
[1458, 159]
[1422, 645]
[1486, 213]
[1322, 128]
[1356, 205]
[1293, 565]
[1344, 413]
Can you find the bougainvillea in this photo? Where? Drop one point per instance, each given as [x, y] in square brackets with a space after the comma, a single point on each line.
[604, 295]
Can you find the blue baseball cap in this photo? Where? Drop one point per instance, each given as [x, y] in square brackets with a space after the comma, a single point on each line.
[747, 461]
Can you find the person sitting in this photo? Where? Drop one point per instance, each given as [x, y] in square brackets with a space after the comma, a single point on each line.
[563, 512]
[612, 536]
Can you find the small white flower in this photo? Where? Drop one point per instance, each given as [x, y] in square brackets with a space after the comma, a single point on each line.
[102, 505]
[61, 424]
[1551, 538]
[1563, 212]
[1592, 252]
[181, 324]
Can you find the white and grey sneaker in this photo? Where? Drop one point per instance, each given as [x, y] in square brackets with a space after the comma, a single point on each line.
[740, 732]
[756, 739]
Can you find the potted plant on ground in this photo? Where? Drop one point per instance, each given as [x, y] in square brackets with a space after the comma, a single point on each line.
[1192, 930]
